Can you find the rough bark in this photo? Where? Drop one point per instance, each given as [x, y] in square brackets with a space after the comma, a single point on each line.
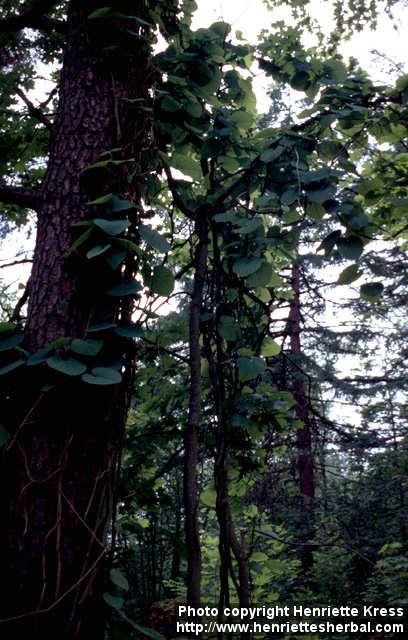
[304, 434]
[193, 423]
[59, 467]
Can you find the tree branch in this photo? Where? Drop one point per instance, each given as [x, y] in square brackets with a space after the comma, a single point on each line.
[16, 317]
[14, 263]
[33, 16]
[29, 198]
[34, 111]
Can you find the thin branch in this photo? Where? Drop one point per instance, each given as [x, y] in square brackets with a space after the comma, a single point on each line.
[12, 264]
[34, 111]
[162, 349]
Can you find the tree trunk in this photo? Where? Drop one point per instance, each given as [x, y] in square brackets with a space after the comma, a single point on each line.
[59, 466]
[194, 412]
[304, 434]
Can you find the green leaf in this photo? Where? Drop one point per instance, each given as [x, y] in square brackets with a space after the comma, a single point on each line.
[242, 119]
[130, 246]
[270, 347]
[4, 436]
[143, 523]
[102, 12]
[98, 250]
[154, 238]
[170, 104]
[250, 368]
[246, 266]
[144, 23]
[209, 498]
[119, 579]
[10, 367]
[80, 241]
[129, 331]
[315, 211]
[271, 154]
[7, 327]
[310, 177]
[228, 328]
[162, 281]
[371, 292]
[67, 366]
[265, 276]
[114, 601]
[102, 376]
[258, 556]
[7, 344]
[59, 343]
[119, 204]
[86, 347]
[358, 222]
[186, 164]
[229, 163]
[112, 227]
[349, 274]
[290, 196]
[115, 259]
[321, 195]
[329, 241]
[248, 226]
[226, 217]
[101, 326]
[38, 357]
[125, 288]
[102, 200]
[350, 247]
[300, 80]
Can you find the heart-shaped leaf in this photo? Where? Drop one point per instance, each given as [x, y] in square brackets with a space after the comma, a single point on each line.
[250, 368]
[125, 288]
[98, 251]
[67, 366]
[11, 342]
[246, 266]
[86, 347]
[102, 376]
[111, 227]
[10, 367]
[154, 238]
[162, 281]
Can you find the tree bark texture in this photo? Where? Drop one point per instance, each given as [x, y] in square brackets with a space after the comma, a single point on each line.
[59, 466]
[304, 434]
[193, 422]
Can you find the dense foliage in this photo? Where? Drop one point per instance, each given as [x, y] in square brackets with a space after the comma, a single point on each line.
[256, 281]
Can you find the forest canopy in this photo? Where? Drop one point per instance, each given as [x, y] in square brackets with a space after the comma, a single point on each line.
[203, 375]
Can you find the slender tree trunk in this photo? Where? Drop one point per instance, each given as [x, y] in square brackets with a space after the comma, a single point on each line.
[229, 544]
[59, 467]
[175, 562]
[193, 423]
[304, 434]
